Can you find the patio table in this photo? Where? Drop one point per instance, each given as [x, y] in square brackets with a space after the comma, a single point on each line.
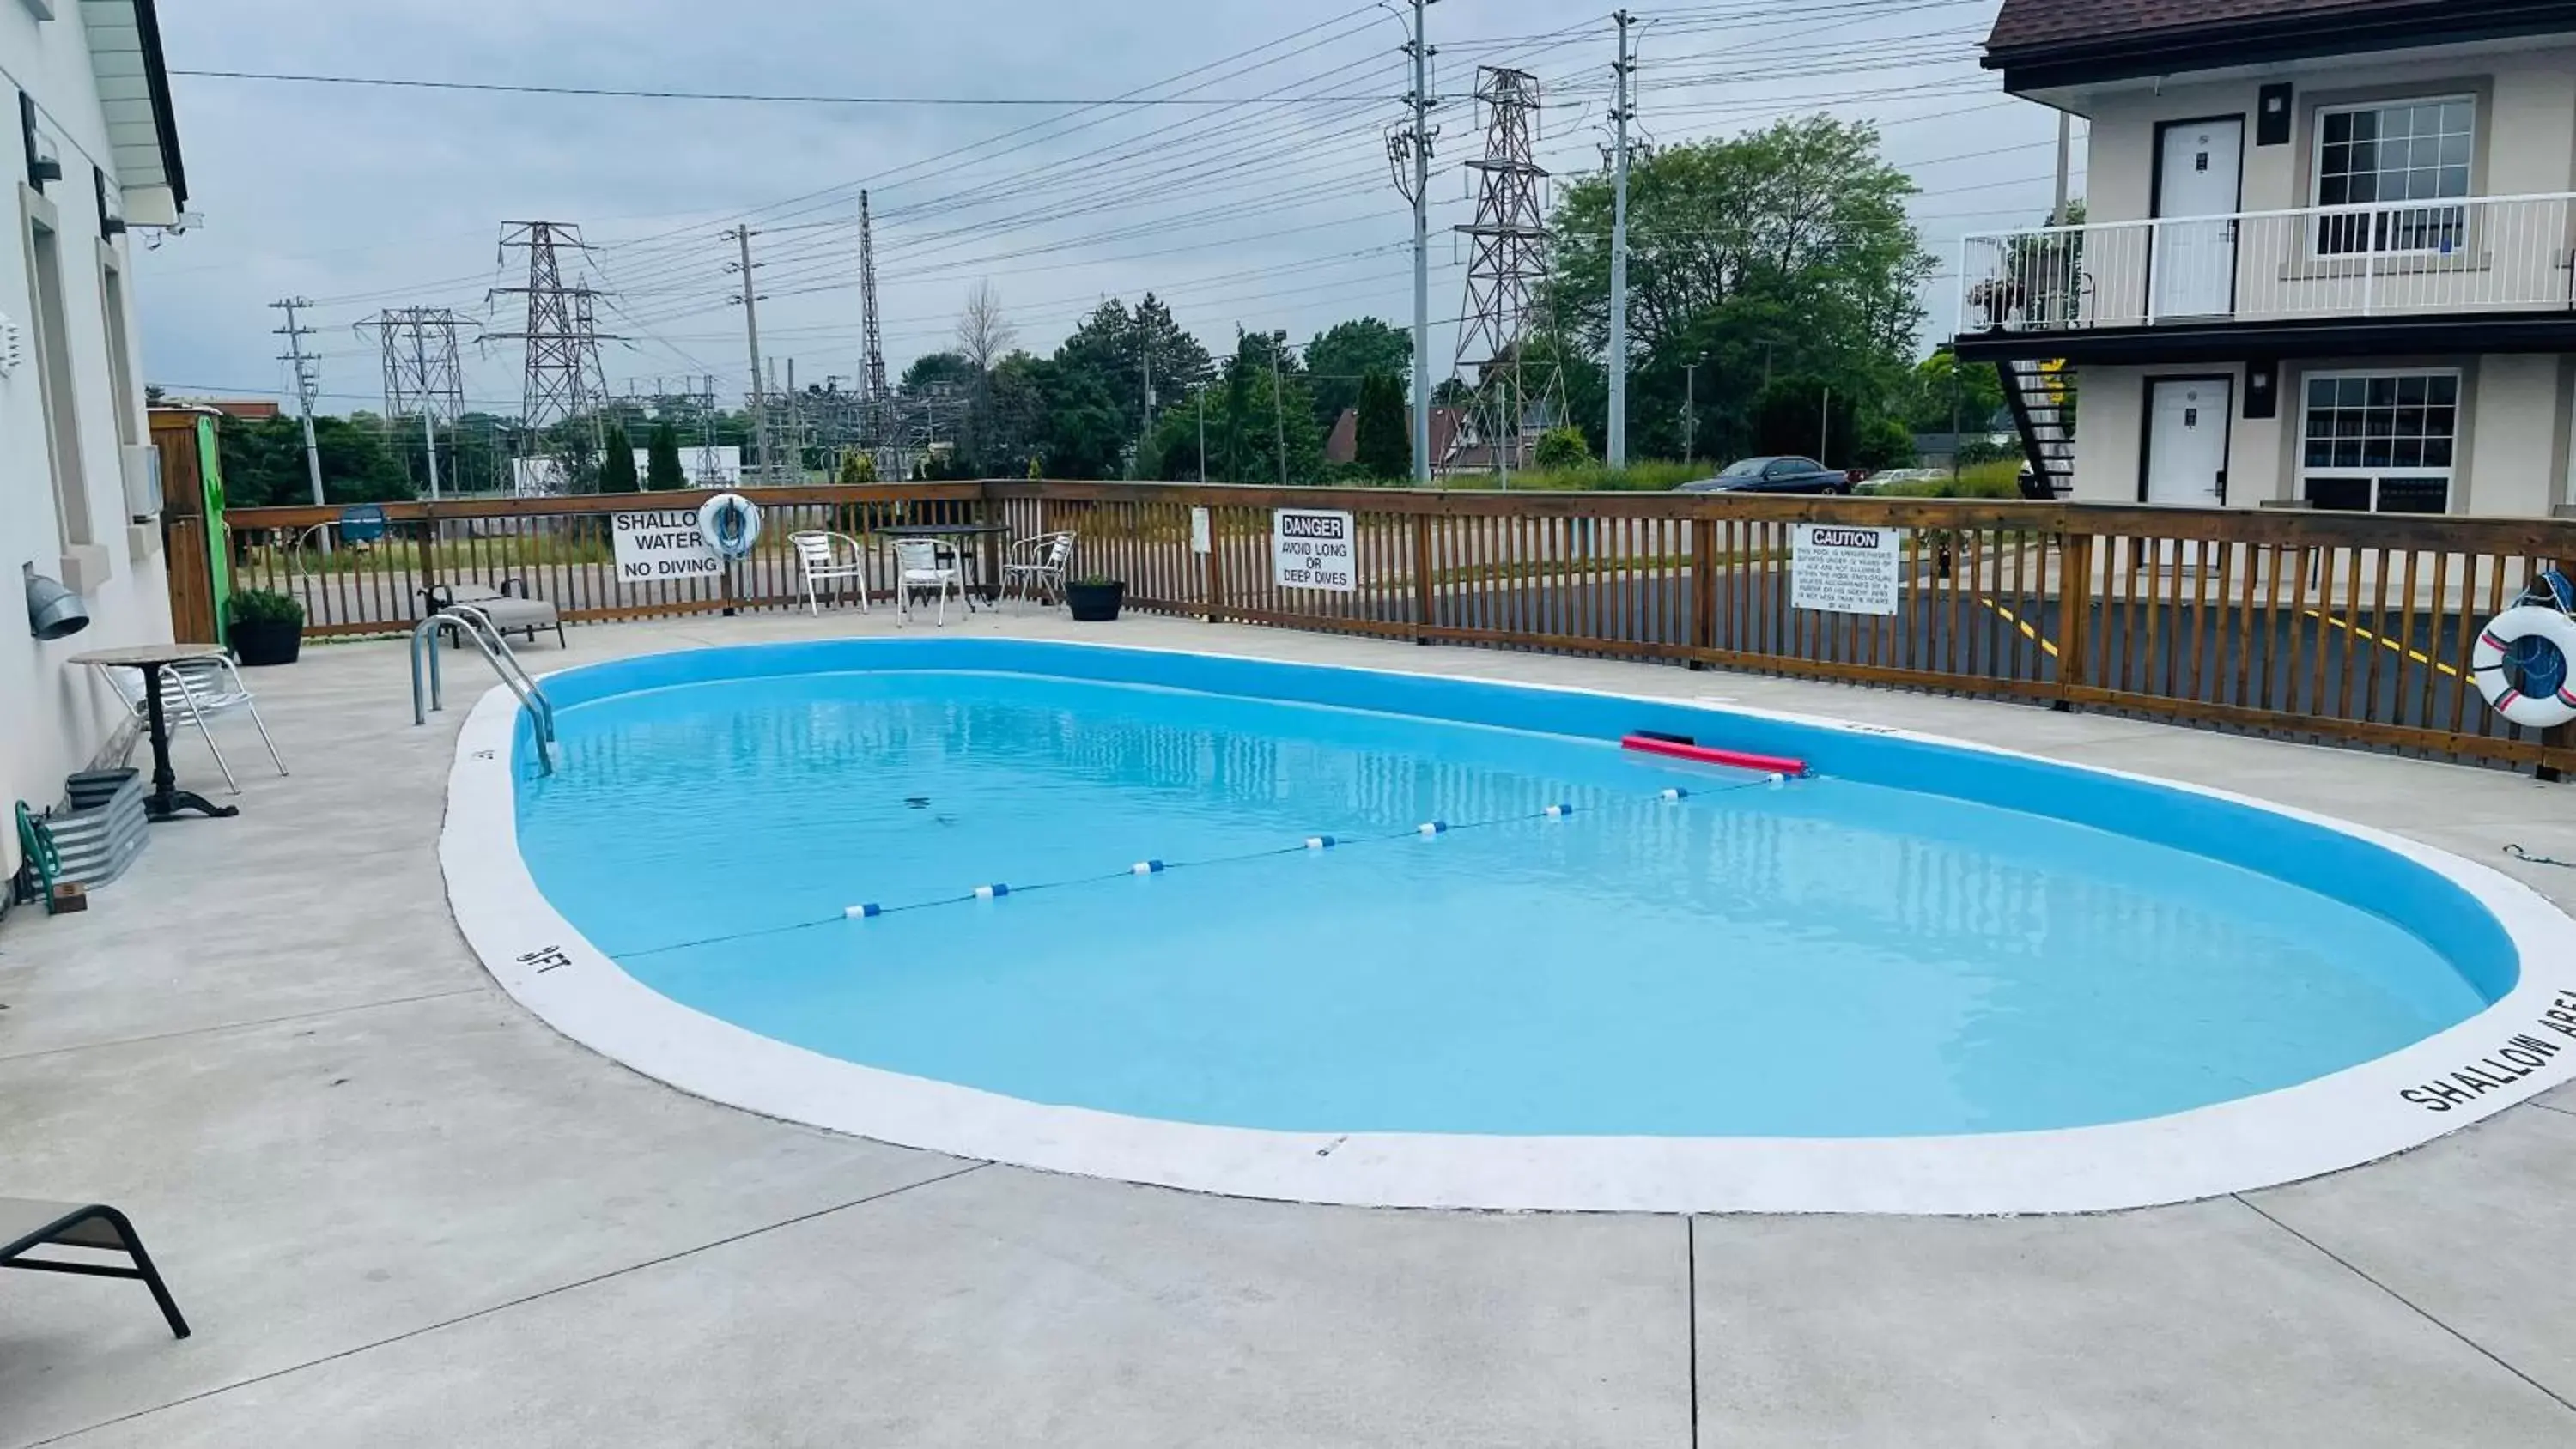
[166, 799]
[990, 534]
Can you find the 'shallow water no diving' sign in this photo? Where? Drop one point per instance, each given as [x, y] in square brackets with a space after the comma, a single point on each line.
[664, 544]
[1843, 570]
[1314, 549]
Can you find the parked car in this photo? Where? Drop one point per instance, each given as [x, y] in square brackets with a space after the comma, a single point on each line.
[1773, 475]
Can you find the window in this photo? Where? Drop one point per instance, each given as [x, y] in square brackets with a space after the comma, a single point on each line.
[2381, 442]
[120, 352]
[2375, 155]
[54, 377]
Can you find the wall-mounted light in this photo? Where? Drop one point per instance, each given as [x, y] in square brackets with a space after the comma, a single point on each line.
[53, 612]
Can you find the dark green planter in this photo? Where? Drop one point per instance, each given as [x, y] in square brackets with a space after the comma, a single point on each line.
[1095, 603]
[266, 641]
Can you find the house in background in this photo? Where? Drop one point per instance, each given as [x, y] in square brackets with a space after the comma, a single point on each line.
[96, 152]
[2325, 260]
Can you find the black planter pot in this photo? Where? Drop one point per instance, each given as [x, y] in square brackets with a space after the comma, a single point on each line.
[267, 641]
[1095, 603]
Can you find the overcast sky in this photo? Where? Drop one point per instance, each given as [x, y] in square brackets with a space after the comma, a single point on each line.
[1277, 212]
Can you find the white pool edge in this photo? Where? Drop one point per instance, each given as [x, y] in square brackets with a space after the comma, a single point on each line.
[2328, 1124]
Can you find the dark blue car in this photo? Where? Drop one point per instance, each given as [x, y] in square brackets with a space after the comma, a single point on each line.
[1773, 475]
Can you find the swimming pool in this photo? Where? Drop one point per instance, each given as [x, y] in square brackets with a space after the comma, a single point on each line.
[1363, 936]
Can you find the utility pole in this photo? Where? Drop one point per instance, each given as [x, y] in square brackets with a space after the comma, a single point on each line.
[428, 416]
[2065, 151]
[1619, 255]
[1825, 425]
[308, 384]
[1203, 387]
[1278, 414]
[1146, 437]
[742, 236]
[1415, 146]
[1690, 411]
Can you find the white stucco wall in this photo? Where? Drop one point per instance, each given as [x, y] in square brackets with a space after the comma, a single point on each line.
[2526, 123]
[2513, 444]
[52, 717]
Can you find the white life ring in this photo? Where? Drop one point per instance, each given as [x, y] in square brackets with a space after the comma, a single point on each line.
[730, 523]
[2487, 666]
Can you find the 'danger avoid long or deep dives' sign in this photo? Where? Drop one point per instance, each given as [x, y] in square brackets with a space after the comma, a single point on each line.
[1314, 549]
[660, 545]
[1838, 569]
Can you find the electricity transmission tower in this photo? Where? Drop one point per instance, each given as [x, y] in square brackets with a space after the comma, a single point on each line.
[1507, 263]
[564, 379]
[876, 400]
[423, 376]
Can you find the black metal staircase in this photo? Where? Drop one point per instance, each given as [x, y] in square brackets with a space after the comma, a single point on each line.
[2035, 392]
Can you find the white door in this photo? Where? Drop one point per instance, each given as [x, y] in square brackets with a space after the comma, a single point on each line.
[2187, 441]
[2195, 246]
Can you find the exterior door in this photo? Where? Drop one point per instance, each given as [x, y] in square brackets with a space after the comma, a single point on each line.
[2187, 441]
[2195, 239]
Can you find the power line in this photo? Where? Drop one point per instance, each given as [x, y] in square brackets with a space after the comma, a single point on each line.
[756, 97]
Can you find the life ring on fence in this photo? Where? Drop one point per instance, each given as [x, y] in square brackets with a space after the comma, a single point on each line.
[2540, 643]
[730, 523]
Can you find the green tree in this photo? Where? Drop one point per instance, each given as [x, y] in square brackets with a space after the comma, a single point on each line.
[1123, 351]
[663, 471]
[263, 462]
[1343, 356]
[1562, 448]
[857, 469]
[1942, 387]
[616, 461]
[1782, 256]
[1383, 444]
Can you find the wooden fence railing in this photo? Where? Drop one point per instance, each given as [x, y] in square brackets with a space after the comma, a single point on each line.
[2342, 627]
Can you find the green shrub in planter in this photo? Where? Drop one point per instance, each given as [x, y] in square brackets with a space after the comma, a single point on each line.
[265, 627]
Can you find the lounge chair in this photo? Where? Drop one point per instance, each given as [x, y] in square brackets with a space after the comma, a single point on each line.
[26, 1226]
[510, 612]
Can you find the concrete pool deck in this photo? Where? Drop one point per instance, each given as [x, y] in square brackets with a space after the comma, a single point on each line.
[401, 1211]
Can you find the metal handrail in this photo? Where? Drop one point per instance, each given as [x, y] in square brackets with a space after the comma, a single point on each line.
[465, 621]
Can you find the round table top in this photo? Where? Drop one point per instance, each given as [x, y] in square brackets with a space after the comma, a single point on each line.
[149, 656]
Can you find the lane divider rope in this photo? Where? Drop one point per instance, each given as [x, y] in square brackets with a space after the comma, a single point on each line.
[994, 891]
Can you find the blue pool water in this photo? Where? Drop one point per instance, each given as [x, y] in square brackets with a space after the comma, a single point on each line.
[1903, 945]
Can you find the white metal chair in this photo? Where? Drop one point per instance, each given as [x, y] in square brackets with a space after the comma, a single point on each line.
[1036, 567]
[921, 563]
[830, 558]
[197, 690]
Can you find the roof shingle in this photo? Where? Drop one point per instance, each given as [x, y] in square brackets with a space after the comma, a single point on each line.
[2026, 23]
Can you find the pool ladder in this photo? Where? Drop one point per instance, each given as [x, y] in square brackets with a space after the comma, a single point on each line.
[464, 621]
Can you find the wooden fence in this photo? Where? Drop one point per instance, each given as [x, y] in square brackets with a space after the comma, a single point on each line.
[2338, 627]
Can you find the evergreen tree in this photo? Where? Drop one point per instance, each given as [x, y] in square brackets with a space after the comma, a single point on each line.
[616, 462]
[663, 472]
[857, 469]
[1383, 444]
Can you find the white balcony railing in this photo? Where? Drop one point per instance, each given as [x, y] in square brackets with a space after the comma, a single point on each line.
[2479, 254]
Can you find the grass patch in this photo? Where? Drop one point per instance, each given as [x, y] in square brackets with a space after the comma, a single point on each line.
[1983, 480]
